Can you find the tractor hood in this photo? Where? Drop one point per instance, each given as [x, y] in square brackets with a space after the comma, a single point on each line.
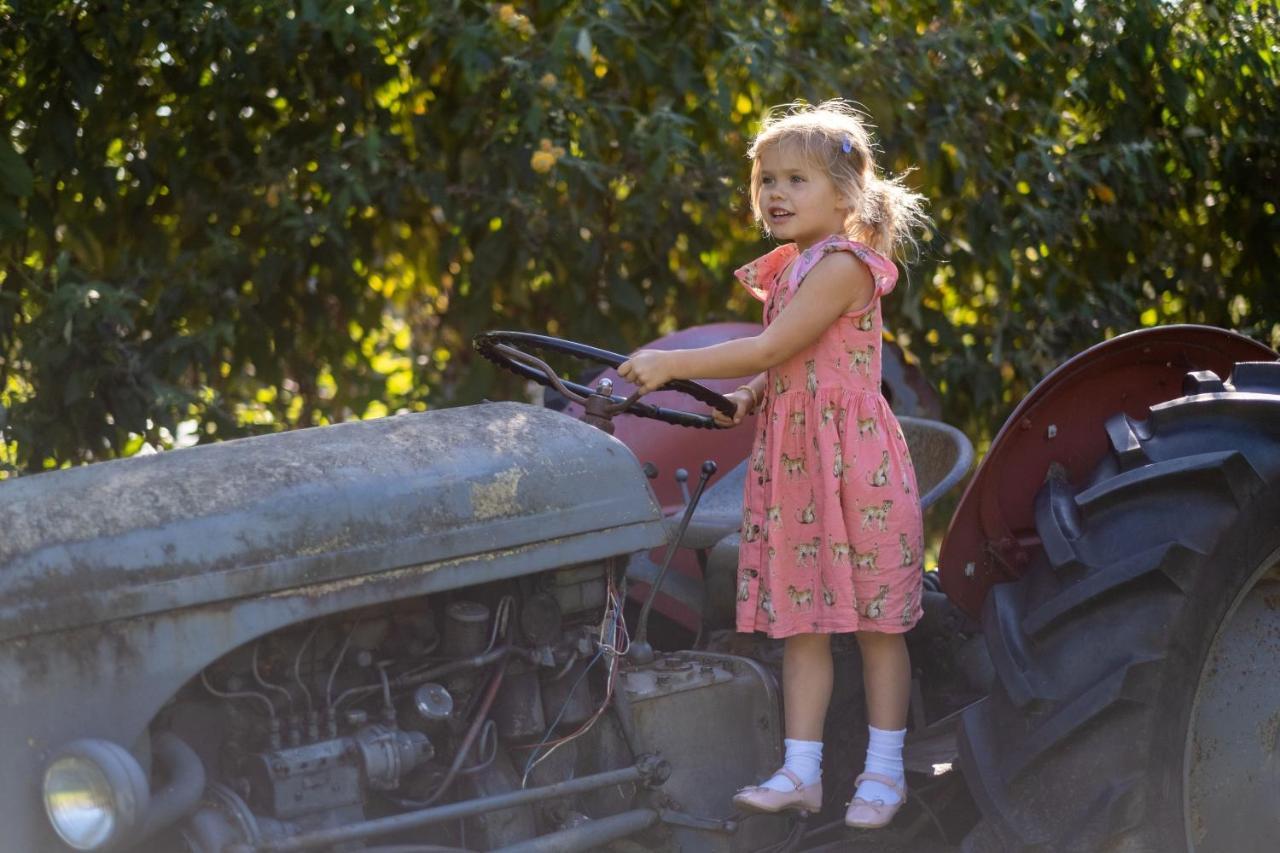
[448, 492]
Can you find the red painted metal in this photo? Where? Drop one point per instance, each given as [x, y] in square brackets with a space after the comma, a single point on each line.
[992, 534]
[670, 447]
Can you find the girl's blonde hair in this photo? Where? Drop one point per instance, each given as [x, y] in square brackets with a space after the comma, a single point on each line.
[833, 135]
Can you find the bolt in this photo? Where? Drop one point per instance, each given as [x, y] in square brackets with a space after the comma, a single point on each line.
[970, 570]
[1052, 431]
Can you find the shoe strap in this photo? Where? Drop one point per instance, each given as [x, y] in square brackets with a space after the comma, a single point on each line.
[791, 776]
[887, 781]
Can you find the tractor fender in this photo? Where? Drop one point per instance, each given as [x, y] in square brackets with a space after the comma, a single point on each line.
[1062, 424]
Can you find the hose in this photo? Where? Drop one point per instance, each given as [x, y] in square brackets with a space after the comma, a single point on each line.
[182, 793]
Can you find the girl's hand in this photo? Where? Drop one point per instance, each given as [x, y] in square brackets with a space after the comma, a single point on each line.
[742, 402]
[648, 369]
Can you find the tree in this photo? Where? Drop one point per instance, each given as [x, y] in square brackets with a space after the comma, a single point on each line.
[238, 218]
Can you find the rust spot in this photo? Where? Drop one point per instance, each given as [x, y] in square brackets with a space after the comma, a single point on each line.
[497, 498]
[1269, 733]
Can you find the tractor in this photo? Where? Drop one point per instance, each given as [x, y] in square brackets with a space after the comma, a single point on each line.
[509, 626]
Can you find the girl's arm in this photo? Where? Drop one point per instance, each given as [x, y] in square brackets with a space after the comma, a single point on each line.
[837, 284]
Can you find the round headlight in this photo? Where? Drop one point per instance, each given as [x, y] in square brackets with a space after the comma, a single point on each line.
[94, 792]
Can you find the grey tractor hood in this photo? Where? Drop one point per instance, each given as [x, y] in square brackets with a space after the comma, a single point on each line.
[313, 507]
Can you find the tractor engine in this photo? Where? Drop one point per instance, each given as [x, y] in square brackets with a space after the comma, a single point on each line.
[322, 732]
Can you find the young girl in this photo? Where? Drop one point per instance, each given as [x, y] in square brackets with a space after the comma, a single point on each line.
[831, 537]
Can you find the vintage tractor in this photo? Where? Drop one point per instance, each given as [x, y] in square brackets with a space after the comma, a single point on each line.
[462, 630]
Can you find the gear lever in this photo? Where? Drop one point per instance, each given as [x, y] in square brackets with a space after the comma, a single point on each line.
[641, 651]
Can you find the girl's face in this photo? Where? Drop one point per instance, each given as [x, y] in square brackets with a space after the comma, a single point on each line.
[796, 198]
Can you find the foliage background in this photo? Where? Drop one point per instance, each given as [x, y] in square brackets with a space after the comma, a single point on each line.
[220, 219]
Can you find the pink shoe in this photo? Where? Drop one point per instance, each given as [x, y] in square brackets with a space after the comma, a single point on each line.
[805, 798]
[873, 814]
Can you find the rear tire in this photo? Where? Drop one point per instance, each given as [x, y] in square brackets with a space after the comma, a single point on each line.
[1083, 744]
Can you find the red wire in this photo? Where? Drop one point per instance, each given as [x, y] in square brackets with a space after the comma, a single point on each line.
[618, 632]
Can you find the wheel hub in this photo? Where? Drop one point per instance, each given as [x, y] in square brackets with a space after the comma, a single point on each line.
[1232, 764]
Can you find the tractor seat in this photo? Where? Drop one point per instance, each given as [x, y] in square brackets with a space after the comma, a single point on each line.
[940, 452]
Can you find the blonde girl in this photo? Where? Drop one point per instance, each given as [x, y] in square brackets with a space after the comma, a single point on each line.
[831, 487]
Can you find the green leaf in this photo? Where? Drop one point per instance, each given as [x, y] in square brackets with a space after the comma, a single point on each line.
[11, 222]
[584, 46]
[15, 176]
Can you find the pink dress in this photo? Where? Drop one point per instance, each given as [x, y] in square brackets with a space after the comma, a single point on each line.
[831, 532]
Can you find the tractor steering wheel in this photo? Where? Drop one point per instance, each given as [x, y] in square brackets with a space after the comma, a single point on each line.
[508, 350]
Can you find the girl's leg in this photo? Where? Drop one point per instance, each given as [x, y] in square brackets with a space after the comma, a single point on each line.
[886, 676]
[806, 684]
[806, 692]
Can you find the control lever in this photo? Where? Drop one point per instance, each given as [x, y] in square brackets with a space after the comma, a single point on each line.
[641, 651]
[682, 477]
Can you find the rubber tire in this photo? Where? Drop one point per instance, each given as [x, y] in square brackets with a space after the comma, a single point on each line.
[1098, 649]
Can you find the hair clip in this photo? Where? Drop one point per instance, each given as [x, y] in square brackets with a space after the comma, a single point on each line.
[848, 145]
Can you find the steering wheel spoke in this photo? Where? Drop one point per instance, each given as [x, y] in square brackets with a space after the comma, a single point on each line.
[508, 350]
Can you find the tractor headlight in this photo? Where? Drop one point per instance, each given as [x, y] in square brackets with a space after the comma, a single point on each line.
[94, 792]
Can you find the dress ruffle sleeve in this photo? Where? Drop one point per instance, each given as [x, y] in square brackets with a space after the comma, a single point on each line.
[759, 276]
[883, 271]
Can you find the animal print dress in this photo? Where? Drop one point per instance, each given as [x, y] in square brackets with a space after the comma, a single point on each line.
[831, 533]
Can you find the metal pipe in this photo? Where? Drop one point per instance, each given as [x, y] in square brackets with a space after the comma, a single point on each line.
[273, 725]
[588, 836]
[266, 685]
[453, 811]
[413, 677]
[490, 693]
[342, 653]
[297, 665]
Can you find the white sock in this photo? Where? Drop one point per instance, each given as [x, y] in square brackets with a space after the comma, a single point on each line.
[804, 758]
[884, 756]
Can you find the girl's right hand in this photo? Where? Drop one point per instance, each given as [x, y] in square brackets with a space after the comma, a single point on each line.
[742, 402]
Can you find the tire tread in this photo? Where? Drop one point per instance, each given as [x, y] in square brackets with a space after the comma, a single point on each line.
[1110, 622]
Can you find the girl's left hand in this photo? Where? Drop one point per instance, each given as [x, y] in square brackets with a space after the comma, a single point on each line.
[648, 369]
